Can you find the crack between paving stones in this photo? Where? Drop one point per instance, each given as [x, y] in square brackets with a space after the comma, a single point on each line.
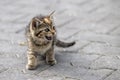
[71, 78]
[72, 35]
[113, 70]
[85, 46]
[116, 27]
[3, 70]
[102, 19]
[66, 22]
[95, 54]
[96, 59]
[16, 22]
[37, 73]
[80, 49]
[89, 68]
[68, 51]
[4, 40]
[96, 8]
[84, 2]
[20, 30]
[109, 74]
[91, 64]
[62, 11]
[102, 42]
[102, 68]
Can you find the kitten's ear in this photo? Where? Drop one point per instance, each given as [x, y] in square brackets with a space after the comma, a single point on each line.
[50, 15]
[35, 23]
[49, 18]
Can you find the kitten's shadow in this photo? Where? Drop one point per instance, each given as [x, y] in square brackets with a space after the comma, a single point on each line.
[43, 66]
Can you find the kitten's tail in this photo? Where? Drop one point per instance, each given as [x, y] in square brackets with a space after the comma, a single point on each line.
[64, 44]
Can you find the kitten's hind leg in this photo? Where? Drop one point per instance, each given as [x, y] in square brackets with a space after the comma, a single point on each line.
[50, 57]
[32, 62]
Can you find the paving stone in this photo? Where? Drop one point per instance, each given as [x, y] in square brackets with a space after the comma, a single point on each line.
[88, 6]
[14, 74]
[12, 38]
[80, 60]
[9, 47]
[101, 48]
[106, 62]
[68, 78]
[96, 74]
[70, 65]
[64, 71]
[3, 68]
[93, 24]
[94, 37]
[114, 76]
[77, 73]
[12, 28]
[75, 2]
[84, 25]
[116, 31]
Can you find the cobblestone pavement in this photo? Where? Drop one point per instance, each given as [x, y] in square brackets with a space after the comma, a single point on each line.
[94, 24]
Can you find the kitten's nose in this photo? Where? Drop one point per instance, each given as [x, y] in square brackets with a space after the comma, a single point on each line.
[53, 32]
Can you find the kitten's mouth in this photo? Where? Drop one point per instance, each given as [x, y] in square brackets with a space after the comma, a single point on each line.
[48, 37]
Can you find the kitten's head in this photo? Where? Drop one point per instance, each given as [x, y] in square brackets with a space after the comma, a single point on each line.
[42, 28]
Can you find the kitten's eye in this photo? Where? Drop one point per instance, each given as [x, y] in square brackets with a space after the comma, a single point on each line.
[47, 30]
[38, 33]
[53, 27]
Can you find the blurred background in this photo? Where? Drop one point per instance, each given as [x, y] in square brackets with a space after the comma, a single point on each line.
[93, 24]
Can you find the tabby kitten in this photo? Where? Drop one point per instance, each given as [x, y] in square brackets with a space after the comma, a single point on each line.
[41, 38]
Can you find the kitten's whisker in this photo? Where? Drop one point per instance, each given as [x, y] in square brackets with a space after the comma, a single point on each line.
[51, 13]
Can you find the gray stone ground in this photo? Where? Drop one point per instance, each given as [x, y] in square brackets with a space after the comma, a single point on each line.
[94, 24]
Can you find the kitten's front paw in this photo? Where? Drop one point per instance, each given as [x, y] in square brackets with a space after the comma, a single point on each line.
[30, 67]
[51, 62]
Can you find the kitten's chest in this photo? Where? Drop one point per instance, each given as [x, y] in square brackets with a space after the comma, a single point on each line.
[42, 49]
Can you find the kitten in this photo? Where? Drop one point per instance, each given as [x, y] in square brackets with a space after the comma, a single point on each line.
[41, 38]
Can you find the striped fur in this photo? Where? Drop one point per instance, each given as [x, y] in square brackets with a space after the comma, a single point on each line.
[41, 38]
